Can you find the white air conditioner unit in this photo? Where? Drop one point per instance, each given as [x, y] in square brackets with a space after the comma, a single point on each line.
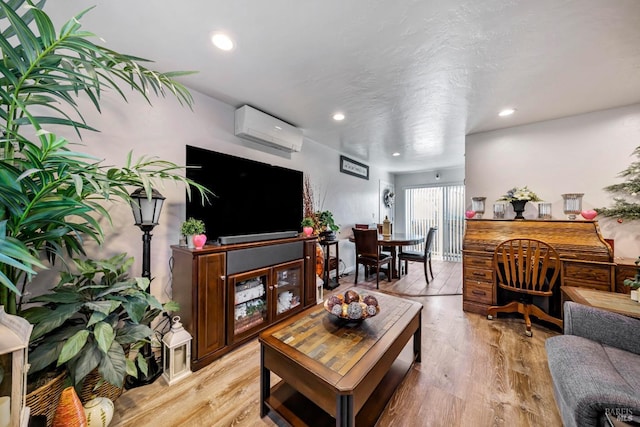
[260, 127]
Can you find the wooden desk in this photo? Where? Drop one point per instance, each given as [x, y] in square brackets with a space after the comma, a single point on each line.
[395, 241]
[587, 260]
[611, 301]
[330, 368]
[625, 269]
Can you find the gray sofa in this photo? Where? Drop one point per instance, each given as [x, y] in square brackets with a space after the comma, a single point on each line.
[595, 366]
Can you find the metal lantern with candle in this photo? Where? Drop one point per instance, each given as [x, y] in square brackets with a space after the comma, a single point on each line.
[14, 333]
[176, 361]
[477, 205]
[572, 204]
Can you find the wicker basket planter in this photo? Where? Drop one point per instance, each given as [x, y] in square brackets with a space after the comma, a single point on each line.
[44, 400]
[106, 389]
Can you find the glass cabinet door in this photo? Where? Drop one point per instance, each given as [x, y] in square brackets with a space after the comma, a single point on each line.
[287, 288]
[249, 303]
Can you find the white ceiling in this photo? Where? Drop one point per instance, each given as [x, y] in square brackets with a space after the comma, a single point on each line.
[412, 76]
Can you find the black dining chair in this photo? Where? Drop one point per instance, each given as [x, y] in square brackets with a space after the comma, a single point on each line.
[423, 257]
[368, 254]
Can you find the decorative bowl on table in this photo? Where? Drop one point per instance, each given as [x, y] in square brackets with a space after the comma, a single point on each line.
[352, 306]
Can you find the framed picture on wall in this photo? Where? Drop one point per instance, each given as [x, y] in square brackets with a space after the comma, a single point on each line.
[351, 167]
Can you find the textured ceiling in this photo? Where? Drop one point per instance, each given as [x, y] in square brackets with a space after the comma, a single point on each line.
[412, 76]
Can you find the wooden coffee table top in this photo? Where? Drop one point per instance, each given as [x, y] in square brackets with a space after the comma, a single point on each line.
[337, 344]
[611, 301]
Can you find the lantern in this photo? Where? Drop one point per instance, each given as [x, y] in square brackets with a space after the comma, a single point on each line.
[176, 362]
[14, 341]
[477, 205]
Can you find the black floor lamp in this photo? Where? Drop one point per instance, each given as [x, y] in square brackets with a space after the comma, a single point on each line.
[146, 212]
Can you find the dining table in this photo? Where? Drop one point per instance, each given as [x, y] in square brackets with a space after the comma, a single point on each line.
[395, 242]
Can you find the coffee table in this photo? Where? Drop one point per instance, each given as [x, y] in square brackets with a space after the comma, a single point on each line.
[612, 301]
[336, 372]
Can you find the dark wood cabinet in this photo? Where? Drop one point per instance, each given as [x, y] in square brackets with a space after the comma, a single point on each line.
[310, 291]
[258, 298]
[587, 260]
[206, 283]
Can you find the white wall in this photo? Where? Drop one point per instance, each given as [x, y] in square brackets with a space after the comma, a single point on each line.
[579, 154]
[163, 131]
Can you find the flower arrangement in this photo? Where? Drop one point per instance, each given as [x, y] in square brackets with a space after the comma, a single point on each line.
[522, 193]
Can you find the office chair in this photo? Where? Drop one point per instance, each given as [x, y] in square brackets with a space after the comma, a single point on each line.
[528, 267]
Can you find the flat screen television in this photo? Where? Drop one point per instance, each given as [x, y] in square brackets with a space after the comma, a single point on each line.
[251, 197]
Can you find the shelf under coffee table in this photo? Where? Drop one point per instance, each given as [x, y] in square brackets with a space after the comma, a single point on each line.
[334, 372]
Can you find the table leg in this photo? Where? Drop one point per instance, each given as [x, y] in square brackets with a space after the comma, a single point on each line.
[394, 271]
[265, 384]
[344, 411]
[417, 341]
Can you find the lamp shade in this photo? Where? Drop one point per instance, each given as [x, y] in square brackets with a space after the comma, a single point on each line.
[146, 210]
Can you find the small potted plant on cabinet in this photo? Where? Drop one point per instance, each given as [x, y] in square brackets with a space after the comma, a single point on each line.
[192, 229]
[634, 283]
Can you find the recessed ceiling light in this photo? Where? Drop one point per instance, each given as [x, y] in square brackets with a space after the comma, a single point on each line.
[396, 154]
[338, 117]
[222, 41]
[506, 112]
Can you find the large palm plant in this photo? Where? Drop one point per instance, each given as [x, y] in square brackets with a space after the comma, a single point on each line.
[51, 198]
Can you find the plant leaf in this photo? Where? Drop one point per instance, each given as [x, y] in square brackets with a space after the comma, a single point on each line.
[86, 362]
[44, 355]
[114, 366]
[104, 336]
[131, 333]
[73, 346]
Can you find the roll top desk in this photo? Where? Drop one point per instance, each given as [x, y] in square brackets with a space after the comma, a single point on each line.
[587, 260]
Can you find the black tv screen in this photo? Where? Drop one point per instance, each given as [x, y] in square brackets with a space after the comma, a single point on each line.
[251, 197]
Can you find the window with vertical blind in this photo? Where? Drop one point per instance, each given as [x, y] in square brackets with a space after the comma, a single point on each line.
[441, 207]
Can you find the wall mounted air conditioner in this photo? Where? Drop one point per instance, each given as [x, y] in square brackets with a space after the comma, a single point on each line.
[260, 127]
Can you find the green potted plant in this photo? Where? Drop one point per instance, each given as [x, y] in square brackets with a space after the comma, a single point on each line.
[91, 319]
[326, 225]
[307, 226]
[634, 283]
[51, 195]
[192, 228]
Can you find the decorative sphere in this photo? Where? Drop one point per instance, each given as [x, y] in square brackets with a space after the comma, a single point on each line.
[351, 296]
[370, 300]
[589, 214]
[372, 310]
[470, 214]
[337, 309]
[333, 300]
[354, 311]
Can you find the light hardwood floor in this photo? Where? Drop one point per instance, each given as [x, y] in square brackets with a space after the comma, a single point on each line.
[474, 372]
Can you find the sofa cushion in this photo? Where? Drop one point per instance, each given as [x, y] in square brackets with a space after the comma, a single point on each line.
[590, 378]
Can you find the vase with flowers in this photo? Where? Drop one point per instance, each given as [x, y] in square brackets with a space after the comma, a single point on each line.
[518, 197]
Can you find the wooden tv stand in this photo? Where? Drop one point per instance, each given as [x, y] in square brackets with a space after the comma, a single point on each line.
[229, 293]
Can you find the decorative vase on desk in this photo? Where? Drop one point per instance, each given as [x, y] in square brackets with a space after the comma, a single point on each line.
[199, 240]
[518, 208]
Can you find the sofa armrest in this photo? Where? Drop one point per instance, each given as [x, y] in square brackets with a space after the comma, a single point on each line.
[605, 327]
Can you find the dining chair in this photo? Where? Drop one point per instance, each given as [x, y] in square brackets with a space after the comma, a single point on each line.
[416, 256]
[529, 268]
[368, 254]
